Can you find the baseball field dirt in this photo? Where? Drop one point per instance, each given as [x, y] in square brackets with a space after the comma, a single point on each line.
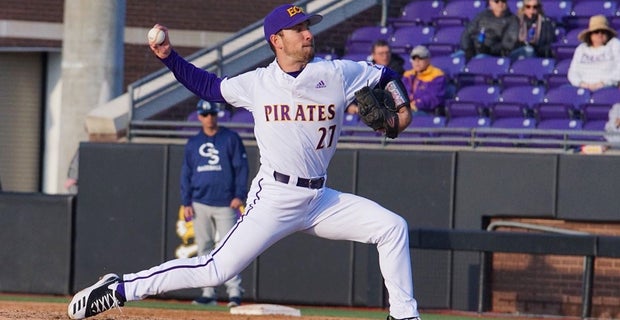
[49, 310]
[44, 308]
[55, 308]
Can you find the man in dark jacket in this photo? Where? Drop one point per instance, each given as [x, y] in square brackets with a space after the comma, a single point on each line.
[492, 32]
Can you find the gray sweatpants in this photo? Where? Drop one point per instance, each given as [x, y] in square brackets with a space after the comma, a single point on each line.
[210, 225]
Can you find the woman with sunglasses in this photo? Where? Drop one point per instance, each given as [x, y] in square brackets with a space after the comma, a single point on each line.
[596, 61]
[536, 31]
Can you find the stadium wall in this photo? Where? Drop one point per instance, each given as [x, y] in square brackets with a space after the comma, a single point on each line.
[126, 217]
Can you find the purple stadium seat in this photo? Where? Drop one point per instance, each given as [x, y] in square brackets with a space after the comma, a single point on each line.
[224, 115]
[561, 51]
[614, 22]
[349, 121]
[446, 40]
[605, 96]
[484, 70]
[556, 80]
[468, 122]
[570, 38]
[464, 117]
[560, 32]
[418, 12]
[407, 65]
[557, 9]
[405, 38]
[514, 5]
[424, 123]
[594, 119]
[357, 47]
[507, 110]
[565, 46]
[559, 76]
[244, 119]
[459, 12]
[371, 34]
[568, 95]
[361, 39]
[473, 98]
[562, 66]
[481, 95]
[555, 117]
[512, 116]
[584, 9]
[451, 66]
[449, 34]
[595, 113]
[356, 56]
[459, 109]
[527, 95]
[528, 71]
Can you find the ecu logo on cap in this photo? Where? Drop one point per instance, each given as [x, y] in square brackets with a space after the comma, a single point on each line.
[294, 10]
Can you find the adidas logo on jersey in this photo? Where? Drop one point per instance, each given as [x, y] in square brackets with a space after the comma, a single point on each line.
[321, 84]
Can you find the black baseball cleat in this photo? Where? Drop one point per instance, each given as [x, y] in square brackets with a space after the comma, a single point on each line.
[97, 298]
[392, 318]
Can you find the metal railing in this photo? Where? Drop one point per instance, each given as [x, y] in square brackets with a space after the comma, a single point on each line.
[472, 138]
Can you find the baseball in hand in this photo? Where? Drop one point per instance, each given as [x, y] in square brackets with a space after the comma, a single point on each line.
[156, 35]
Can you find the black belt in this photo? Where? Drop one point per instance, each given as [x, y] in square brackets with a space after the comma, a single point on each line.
[316, 183]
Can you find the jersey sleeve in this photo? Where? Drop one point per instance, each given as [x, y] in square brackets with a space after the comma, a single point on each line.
[358, 75]
[202, 83]
[237, 90]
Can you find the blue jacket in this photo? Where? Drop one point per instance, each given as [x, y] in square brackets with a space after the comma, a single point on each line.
[215, 169]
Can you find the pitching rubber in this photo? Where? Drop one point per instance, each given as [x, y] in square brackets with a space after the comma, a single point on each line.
[264, 309]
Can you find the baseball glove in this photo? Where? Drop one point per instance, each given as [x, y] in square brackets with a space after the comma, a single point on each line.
[377, 110]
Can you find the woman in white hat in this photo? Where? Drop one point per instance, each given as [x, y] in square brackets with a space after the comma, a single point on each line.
[596, 61]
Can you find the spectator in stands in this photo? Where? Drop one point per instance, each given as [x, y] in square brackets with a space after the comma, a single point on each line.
[425, 83]
[493, 32]
[382, 54]
[536, 31]
[613, 125]
[596, 61]
[214, 178]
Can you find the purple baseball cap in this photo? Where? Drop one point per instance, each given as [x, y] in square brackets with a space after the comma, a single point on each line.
[287, 16]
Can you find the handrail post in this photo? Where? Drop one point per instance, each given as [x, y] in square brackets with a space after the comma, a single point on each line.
[132, 103]
[385, 4]
[481, 282]
[220, 59]
[588, 280]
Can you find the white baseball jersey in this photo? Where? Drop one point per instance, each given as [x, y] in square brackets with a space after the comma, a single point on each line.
[298, 120]
[297, 124]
